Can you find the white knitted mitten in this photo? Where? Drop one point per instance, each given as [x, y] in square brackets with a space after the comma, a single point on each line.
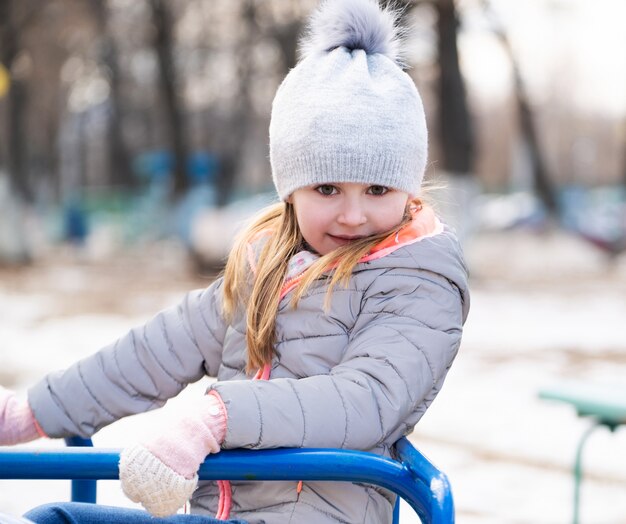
[162, 473]
[145, 479]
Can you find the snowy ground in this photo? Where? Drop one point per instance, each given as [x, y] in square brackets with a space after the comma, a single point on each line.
[545, 308]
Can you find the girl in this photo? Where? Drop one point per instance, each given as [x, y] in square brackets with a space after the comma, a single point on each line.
[337, 318]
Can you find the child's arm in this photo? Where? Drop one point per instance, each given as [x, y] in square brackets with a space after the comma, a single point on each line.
[138, 372]
[399, 352]
[17, 424]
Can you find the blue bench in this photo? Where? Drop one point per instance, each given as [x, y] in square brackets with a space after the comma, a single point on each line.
[412, 476]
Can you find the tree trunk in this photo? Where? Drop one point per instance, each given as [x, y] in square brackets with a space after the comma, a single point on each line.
[456, 136]
[16, 142]
[240, 122]
[543, 186]
[163, 44]
[542, 183]
[287, 39]
[16, 155]
[120, 173]
[624, 153]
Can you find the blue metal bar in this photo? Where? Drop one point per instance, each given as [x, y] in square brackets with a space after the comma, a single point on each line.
[435, 492]
[82, 490]
[418, 481]
[396, 512]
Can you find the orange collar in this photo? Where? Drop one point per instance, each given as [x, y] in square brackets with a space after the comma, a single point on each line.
[424, 224]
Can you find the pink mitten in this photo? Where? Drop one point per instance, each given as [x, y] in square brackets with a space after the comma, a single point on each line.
[17, 423]
[162, 473]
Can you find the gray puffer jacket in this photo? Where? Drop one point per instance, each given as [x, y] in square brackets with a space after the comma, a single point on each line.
[359, 376]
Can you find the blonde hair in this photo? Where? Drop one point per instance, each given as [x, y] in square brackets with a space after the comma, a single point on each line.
[261, 291]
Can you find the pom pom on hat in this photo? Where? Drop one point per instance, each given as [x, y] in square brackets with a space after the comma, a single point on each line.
[354, 24]
[347, 112]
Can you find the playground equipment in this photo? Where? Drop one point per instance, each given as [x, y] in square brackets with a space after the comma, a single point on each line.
[604, 404]
[411, 476]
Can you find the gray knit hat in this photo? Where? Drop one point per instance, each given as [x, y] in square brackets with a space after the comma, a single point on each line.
[348, 112]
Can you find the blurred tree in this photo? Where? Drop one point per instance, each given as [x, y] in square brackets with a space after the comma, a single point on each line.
[167, 81]
[240, 118]
[623, 148]
[457, 140]
[15, 16]
[286, 35]
[119, 171]
[543, 185]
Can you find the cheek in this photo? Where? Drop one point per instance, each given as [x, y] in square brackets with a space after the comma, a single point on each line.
[308, 221]
[391, 216]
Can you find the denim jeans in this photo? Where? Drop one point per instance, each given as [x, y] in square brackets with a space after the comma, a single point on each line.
[82, 513]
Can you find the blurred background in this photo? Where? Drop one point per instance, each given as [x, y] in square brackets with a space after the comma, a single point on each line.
[134, 143]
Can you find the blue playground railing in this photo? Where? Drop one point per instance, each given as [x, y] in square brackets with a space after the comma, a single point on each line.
[412, 476]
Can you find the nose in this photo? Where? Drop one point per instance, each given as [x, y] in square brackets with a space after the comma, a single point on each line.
[352, 213]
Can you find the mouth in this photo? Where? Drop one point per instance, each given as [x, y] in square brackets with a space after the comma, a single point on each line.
[345, 239]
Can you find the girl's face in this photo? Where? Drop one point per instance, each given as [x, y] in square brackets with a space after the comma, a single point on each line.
[333, 215]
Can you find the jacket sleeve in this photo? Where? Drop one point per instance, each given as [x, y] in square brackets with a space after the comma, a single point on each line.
[138, 372]
[405, 339]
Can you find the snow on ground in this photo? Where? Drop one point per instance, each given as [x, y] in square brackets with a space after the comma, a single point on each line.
[545, 308]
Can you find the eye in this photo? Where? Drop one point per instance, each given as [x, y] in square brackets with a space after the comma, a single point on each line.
[377, 190]
[326, 189]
